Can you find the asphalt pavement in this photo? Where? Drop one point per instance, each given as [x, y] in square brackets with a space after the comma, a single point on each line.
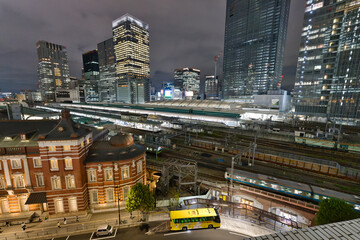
[137, 234]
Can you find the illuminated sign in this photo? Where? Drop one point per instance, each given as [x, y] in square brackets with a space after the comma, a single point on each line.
[189, 93]
[168, 93]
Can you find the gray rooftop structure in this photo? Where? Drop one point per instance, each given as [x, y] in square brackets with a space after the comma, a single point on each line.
[340, 230]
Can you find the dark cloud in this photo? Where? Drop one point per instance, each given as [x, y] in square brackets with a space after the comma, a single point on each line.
[182, 33]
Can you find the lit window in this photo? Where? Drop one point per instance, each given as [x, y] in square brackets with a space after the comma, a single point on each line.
[125, 192]
[108, 174]
[70, 181]
[52, 148]
[139, 166]
[54, 164]
[2, 182]
[94, 196]
[19, 181]
[110, 194]
[88, 141]
[67, 148]
[15, 163]
[82, 144]
[125, 172]
[37, 162]
[55, 182]
[39, 179]
[68, 163]
[92, 175]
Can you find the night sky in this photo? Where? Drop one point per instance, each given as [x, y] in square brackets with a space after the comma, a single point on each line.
[183, 33]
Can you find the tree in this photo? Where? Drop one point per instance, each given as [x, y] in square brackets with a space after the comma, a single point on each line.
[335, 210]
[139, 198]
[175, 197]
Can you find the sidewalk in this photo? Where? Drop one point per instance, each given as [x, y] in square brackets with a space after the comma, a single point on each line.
[87, 223]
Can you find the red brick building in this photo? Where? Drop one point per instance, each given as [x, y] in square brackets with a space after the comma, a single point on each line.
[54, 166]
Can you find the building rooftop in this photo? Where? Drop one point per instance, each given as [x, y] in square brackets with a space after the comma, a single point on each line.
[340, 230]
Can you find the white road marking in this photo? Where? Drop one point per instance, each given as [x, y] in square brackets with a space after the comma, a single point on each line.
[236, 233]
[103, 237]
[167, 234]
[67, 237]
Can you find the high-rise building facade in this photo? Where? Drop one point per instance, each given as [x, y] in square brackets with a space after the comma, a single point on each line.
[91, 75]
[211, 87]
[327, 81]
[255, 34]
[132, 57]
[188, 80]
[53, 69]
[107, 83]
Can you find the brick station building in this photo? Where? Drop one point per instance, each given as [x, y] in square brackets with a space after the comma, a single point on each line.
[54, 166]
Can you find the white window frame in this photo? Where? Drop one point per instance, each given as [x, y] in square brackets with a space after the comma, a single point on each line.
[73, 208]
[58, 182]
[67, 148]
[139, 166]
[92, 196]
[39, 179]
[106, 170]
[92, 175]
[68, 181]
[110, 197]
[68, 163]
[35, 159]
[19, 178]
[125, 196]
[54, 164]
[52, 148]
[16, 164]
[125, 170]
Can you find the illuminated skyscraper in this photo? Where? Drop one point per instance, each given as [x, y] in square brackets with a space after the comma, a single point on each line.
[255, 34]
[211, 87]
[132, 54]
[107, 83]
[188, 80]
[327, 81]
[53, 69]
[91, 75]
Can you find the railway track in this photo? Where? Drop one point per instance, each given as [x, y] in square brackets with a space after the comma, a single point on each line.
[275, 170]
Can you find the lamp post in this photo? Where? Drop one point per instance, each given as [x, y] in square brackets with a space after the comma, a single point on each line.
[118, 200]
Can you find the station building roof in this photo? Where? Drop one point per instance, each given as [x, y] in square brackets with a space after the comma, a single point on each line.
[340, 230]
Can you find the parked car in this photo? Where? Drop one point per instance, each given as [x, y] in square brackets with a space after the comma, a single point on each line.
[104, 230]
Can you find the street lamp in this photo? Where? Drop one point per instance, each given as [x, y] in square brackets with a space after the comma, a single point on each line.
[118, 200]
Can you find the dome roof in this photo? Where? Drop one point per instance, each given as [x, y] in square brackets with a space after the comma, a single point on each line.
[121, 140]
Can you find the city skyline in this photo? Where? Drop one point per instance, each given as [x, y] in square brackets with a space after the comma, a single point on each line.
[177, 42]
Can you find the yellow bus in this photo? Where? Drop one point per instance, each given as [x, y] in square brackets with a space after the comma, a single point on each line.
[194, 218]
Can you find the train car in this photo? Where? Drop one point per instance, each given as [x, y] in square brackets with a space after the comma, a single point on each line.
[153, 149]
[290, 188]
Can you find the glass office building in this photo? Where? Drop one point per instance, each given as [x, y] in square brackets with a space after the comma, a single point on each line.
[327, 83]
[255, 34]
[53, 69]
[132, 54]
[91, 75]
[188, 81]
[107, 82]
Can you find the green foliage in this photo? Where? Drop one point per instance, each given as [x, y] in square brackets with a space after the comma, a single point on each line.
[139, 198]
[175, 195]
[335, 210]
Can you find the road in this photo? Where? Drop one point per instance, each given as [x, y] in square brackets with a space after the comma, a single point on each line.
[137, 234]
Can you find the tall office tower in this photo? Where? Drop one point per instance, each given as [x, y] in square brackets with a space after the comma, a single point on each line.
[107, 83]
[211, 87]
[91, 75]
[188, 80]
[255, 34]
[53, 69]
[132, 57]
[327, 81]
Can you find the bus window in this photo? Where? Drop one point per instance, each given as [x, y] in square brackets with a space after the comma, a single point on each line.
[176, 221]
[181, 220]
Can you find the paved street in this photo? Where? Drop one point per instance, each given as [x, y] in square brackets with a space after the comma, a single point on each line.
[137, 234]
